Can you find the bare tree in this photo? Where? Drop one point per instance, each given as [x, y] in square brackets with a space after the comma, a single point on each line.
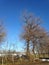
[31, 25]
[2, 35]
[34, 32]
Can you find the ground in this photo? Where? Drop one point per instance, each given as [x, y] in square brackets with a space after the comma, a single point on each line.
[27, 63]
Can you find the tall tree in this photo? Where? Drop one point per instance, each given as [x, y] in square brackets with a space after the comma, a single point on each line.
[32, 31]
[30, 26]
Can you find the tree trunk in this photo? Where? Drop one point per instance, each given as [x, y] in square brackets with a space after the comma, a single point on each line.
[2, 60]
[13, 59]
[27, 47]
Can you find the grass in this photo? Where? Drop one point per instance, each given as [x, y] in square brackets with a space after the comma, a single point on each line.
[26, 63]
[29, 63]
[21, 61]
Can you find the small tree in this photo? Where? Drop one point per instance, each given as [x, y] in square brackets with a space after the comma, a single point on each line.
[2, 33]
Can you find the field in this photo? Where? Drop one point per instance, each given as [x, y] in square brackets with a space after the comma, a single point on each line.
[27, 63]
[24, 60]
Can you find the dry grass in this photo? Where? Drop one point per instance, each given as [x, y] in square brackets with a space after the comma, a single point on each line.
[30, 63]
[27, 63]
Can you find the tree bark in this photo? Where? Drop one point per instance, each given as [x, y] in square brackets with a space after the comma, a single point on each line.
[28, 48]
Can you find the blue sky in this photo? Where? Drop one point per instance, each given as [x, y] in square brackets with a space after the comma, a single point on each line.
[11, 12]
